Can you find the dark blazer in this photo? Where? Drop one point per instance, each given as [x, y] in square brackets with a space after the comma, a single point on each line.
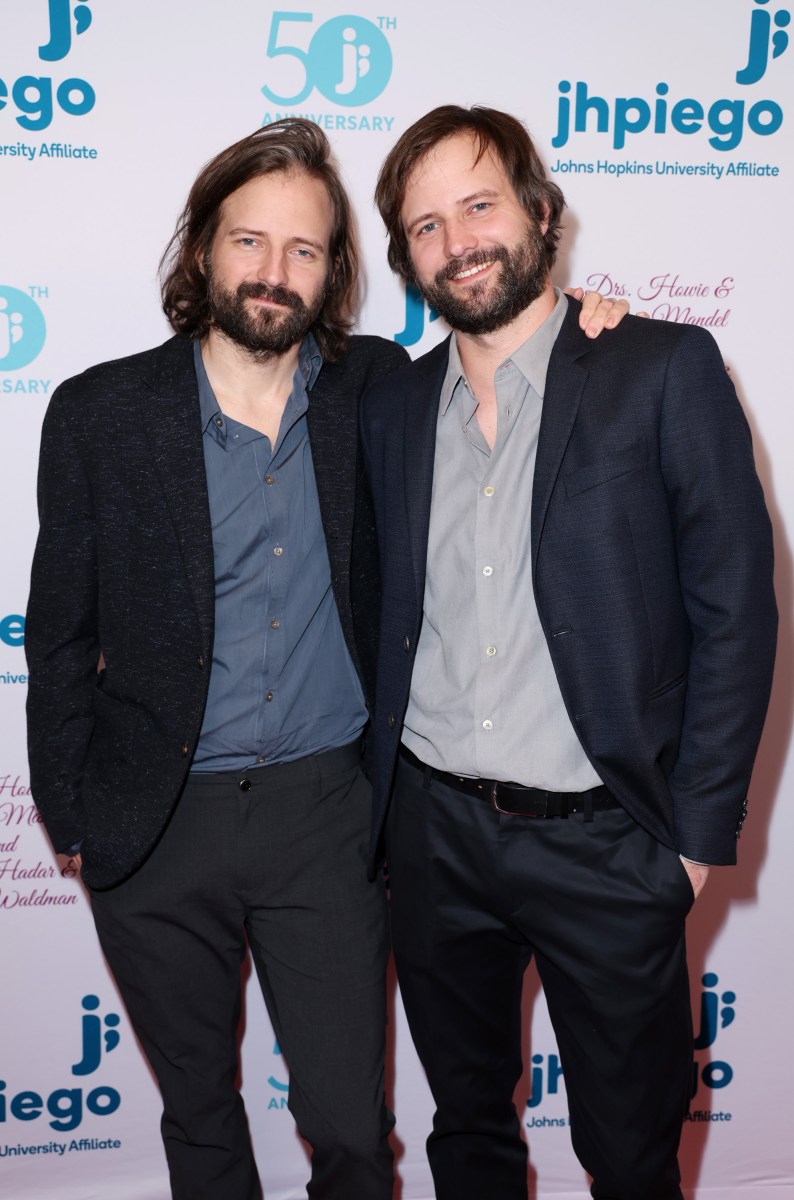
[124, 564]
[652, 569]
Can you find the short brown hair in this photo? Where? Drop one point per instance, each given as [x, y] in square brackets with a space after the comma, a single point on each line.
[508, 140]
[290, 146]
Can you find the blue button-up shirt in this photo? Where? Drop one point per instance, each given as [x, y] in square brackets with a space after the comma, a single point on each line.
[282, 684]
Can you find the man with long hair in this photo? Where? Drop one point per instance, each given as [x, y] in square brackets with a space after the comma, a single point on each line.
[578, 632]
[204, 531]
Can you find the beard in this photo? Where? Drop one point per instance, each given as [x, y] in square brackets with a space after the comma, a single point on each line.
[490, 305]
[264, 332]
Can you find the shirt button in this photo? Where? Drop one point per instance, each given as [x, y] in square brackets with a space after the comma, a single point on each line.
[487, 571]
[261, 758]
[219, 421]
[274, 624]
[487, 726]
[488, 491]
[490, 651]
[269, 696]
[278, 551]
[268, 479]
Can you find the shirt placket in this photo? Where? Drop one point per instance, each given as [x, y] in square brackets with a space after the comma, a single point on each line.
[275, 585]
[492, 653]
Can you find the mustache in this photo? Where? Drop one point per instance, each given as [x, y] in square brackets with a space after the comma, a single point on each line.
[476, 259]
[277, 295]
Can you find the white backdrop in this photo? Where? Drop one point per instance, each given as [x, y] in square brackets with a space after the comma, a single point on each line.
[667, 125]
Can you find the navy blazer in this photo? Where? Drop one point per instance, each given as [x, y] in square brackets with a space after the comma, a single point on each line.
[652, 569]
[124, 564]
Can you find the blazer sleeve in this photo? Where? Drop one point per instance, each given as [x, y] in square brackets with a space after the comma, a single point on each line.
[61, 630]
[725, 559]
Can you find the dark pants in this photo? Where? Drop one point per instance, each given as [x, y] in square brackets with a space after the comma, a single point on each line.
[281, 866]
[601, 905]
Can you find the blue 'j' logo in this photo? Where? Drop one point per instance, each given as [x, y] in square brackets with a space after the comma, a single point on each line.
[764, 38]
[61, 18]
[349, 59]
[414, 317]
[22, 329]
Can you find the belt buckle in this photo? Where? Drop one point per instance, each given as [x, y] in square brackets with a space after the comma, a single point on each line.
[506, 812]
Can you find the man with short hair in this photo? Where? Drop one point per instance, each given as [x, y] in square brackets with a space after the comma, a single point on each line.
[578, 631]
[207, 541]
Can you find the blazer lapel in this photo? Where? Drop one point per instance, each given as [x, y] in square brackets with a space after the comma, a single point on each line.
[332, 421]
[333, 436]
[565, 383]
[419, 445]
[175, 439]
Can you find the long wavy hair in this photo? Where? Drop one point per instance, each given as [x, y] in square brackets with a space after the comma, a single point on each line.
[504, 136]
[291, 146]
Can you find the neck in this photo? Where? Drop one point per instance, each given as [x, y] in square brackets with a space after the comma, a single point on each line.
[235, 371]
[251, 390]
[481, 353]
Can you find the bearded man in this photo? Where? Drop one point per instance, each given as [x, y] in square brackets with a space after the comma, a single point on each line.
[578, 631]
[204, 540]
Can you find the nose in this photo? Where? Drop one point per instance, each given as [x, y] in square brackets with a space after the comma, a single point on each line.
[272, 267]
[458, 239]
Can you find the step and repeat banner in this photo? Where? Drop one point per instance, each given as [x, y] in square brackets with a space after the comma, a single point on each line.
[669, 128]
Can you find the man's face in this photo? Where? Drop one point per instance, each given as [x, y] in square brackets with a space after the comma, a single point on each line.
[478, 257]
[268, 264]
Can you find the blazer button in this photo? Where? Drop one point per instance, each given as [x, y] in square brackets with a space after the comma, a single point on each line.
[201, 661]
[406, 643]
[185, 749]
[391, 720]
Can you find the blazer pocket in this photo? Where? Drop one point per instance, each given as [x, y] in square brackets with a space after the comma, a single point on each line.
[611, 466]
[668, 686]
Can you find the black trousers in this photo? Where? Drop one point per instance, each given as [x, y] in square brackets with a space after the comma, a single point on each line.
[601, 905]
[282, 867]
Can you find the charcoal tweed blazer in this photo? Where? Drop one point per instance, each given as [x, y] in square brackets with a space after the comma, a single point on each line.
[124, 565]
[652, 569]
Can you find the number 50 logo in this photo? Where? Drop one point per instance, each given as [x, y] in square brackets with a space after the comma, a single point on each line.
[348, 60]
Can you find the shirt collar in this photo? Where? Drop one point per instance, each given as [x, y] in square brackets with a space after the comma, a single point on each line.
[531, 357]
[310, 361]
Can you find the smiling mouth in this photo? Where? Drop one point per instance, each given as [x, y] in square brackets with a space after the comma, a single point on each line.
[470, 272]
[267, 300]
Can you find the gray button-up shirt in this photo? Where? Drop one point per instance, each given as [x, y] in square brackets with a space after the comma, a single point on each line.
[484, 696]
[282, 684]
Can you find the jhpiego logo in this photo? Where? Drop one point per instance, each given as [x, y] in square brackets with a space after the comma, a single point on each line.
[66, 1106]
[37, 97]
[716, 1013]
[726, 119]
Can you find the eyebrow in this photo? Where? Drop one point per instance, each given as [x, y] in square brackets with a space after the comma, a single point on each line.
[304, 241]
[482, 194]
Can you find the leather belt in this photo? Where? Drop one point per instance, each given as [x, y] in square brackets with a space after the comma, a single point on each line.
[511, 799]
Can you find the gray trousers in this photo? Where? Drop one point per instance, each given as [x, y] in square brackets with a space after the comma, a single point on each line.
[278, 863]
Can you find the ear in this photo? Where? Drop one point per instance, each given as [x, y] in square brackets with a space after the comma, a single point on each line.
[544, 222]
